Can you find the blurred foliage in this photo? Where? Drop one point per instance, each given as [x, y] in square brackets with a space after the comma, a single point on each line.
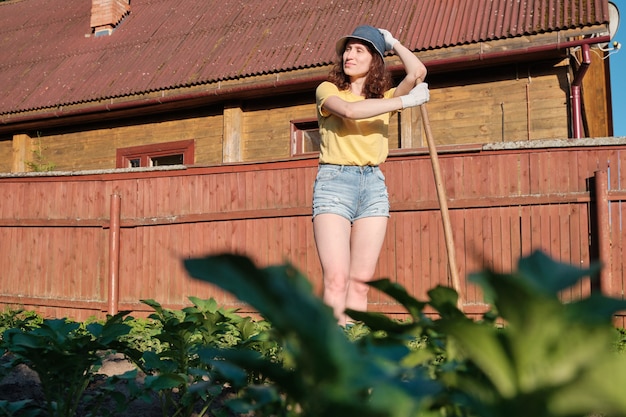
[530, 354]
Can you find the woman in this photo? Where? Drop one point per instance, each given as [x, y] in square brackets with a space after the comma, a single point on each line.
[350, 201]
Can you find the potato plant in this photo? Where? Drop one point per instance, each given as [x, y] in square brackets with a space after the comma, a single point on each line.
[65, 356]
[531, 354]
[184, 383]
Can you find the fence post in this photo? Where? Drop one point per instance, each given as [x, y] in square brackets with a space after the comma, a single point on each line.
[114, 254]
[604, 234]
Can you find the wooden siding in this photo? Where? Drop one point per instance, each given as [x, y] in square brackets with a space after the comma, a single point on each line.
[266, 130]
[502, 104]
[54, 230]
[598, 120]
[95, 148]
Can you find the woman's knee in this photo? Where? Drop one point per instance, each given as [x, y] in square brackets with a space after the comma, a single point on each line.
[359, 286]
[335, 282]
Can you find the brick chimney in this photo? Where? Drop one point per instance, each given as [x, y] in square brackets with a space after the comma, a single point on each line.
[107, 14]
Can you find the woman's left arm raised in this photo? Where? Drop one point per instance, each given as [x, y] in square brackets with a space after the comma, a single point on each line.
[415, 69]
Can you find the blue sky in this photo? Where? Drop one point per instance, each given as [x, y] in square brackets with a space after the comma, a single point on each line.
[618, 74]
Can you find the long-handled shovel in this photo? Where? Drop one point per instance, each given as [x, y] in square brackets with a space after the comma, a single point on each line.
[443, 205]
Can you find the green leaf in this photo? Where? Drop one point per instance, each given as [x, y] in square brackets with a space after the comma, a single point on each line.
[112, 332]
[598, 390]
[95, 329]
[209, 305]
[482, 345]
[164, 381]
[21, 408]
[538, 266]
[595, 309]
[17, 340]
[152, 360]
[445, 301]
[418, 357]
[378, 321]
[254, 398]
[231, 372]
[399, 293]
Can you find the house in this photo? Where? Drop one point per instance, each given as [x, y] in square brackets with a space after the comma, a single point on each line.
[198, 118]
[101, 84]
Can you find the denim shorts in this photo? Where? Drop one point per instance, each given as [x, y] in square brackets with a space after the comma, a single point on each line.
[352, 192]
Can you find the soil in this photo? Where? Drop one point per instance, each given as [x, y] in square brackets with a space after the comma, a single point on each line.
[22, 383]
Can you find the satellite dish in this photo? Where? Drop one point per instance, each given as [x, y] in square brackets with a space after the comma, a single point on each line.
[613, 26]
[613, 19]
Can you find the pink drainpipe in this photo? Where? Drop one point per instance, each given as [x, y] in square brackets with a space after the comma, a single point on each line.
[577, 119]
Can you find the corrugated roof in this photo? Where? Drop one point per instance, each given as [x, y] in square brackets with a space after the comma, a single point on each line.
[49, 59]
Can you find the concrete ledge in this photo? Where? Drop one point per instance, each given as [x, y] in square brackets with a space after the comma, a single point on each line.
[555, 143]
[91, 172]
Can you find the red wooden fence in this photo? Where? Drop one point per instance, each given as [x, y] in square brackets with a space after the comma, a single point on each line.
[83, 244]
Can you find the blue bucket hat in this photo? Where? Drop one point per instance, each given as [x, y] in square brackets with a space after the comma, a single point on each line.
[366, 33]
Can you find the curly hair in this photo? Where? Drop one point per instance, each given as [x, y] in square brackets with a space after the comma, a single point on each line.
[378, 77]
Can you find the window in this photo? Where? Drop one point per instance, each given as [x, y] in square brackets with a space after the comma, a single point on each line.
[170, 153]
[305, 137]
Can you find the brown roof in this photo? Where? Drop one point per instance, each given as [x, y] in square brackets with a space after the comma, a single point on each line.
[50, 58]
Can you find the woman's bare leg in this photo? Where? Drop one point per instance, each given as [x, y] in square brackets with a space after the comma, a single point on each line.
[332, 238]
[366, 242]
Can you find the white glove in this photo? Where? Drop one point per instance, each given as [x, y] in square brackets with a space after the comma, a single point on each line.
[416, 97]
[390, 41]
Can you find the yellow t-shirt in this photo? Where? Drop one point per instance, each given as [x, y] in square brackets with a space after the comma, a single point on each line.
[351, 142]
